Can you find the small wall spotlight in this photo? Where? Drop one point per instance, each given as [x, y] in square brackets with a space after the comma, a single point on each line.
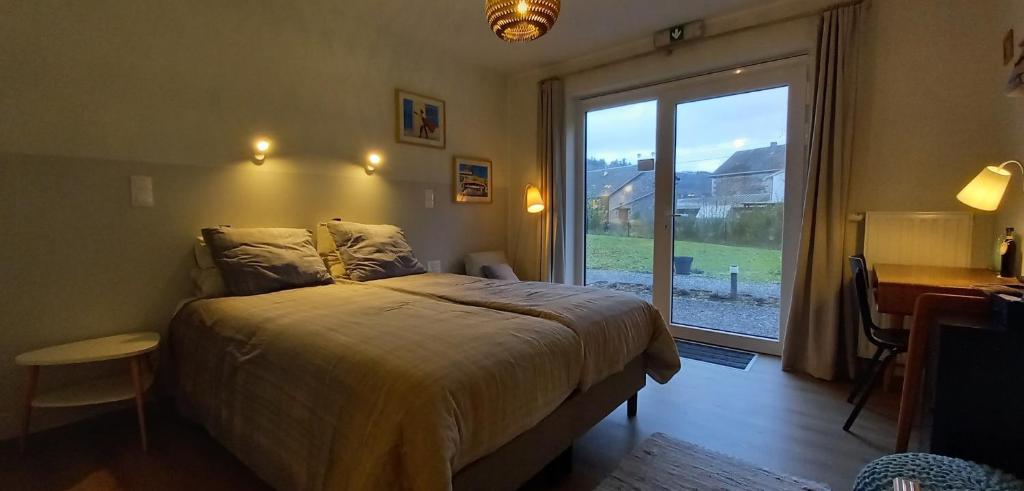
[262, 146]
[373, 162]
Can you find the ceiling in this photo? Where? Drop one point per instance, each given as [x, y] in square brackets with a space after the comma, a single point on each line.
[458, 27]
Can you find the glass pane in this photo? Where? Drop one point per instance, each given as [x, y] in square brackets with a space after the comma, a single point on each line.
[620, 143]
[730, 189]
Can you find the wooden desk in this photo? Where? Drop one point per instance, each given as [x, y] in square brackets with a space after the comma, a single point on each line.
[898, 286]
[899, 289]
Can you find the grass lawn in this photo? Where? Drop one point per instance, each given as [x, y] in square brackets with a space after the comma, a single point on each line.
[633, 254]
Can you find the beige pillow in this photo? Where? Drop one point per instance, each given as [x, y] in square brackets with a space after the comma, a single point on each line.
[328, 251]
[263, 260]
[206, 278]
[373, 252]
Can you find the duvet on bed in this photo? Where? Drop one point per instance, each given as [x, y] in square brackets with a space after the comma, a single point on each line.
[359, 387]
[614, 327]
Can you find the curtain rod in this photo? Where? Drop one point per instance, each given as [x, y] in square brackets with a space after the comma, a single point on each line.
[669, 49]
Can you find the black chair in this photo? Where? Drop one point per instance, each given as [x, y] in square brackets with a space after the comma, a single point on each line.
[890, 342]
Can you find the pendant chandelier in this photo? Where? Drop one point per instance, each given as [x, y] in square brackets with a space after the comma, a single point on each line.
[519, 21]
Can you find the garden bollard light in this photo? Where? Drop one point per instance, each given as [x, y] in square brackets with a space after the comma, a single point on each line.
[734, 273]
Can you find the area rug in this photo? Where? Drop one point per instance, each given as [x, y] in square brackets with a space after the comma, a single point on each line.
[663, 463]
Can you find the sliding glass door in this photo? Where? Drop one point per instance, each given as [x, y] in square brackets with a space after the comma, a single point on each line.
[692, 198]
[619, 199]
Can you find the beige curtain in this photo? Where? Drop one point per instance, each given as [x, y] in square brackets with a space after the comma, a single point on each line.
[819, 341]
[551, 158]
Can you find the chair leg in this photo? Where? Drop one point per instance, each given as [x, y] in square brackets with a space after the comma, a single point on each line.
[866, 393]
[631, 407]
[863, 378]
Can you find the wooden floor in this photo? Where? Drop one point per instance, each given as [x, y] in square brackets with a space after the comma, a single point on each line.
[787, 423]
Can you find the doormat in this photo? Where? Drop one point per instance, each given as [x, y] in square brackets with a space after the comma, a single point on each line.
[713, 354]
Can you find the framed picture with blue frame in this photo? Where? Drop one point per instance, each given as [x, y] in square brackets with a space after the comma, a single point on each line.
[473, 180]
[421, 119]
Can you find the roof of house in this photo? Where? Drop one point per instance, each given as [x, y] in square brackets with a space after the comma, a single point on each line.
[765, 159]
[604, 182]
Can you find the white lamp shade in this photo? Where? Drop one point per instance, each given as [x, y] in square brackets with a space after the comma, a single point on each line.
[986, 190]
[534, 201]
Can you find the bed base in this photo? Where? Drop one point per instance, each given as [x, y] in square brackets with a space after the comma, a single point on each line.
[522, 458]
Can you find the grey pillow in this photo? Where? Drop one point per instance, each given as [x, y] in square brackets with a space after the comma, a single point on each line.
[264, 260]
[476, 260]
[373, 252]
[499, 272]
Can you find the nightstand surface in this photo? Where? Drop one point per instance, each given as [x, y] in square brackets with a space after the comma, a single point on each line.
[92, 350]
[133, 347]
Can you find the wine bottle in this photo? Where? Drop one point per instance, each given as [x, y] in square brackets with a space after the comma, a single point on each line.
[1008, 255]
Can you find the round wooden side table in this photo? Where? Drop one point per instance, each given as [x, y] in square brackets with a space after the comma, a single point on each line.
[133, 347]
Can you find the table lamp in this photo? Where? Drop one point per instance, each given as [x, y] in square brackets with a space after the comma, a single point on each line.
[986, 191]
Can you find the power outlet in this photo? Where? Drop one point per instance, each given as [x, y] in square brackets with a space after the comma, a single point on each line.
[434, 266]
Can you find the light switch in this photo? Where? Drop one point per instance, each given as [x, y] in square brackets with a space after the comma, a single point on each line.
[434, 266]
[142, 191]
[428, 198]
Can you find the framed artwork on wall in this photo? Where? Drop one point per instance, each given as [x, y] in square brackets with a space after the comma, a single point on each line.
[420, 119]
[474, 181]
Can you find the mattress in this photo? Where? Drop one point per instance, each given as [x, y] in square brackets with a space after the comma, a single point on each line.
[355, 387]
[614, 327]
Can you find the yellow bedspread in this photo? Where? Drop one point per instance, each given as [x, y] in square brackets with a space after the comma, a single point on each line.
[361, 387]
[614, 327]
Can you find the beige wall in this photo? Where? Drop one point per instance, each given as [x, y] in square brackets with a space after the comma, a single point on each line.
[932, 111]
[94, 92]
[1011, 117]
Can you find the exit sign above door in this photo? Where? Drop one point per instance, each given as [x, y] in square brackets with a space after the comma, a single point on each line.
[680, 33]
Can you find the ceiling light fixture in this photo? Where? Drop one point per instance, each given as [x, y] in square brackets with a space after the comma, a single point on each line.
[519, 21]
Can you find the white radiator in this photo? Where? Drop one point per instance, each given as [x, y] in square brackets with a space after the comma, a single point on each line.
[918, 239]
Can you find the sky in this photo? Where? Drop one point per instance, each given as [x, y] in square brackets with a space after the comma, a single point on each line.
[708, 131]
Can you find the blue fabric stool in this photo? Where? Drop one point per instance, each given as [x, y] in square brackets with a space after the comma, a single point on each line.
[935, 473]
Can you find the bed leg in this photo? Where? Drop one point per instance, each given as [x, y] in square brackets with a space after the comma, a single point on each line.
[631, 407]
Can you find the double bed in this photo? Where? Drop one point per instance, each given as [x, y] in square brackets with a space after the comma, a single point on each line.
[426, 381]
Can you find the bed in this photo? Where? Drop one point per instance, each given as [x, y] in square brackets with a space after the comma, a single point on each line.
[614, 327]
[426, 383]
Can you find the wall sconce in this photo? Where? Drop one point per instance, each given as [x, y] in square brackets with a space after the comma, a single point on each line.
[262, 146]
[373, 162]
[534, 201]
[986, 190]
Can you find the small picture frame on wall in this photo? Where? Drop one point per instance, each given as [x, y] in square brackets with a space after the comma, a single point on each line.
[473, 180]
[421, 120]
